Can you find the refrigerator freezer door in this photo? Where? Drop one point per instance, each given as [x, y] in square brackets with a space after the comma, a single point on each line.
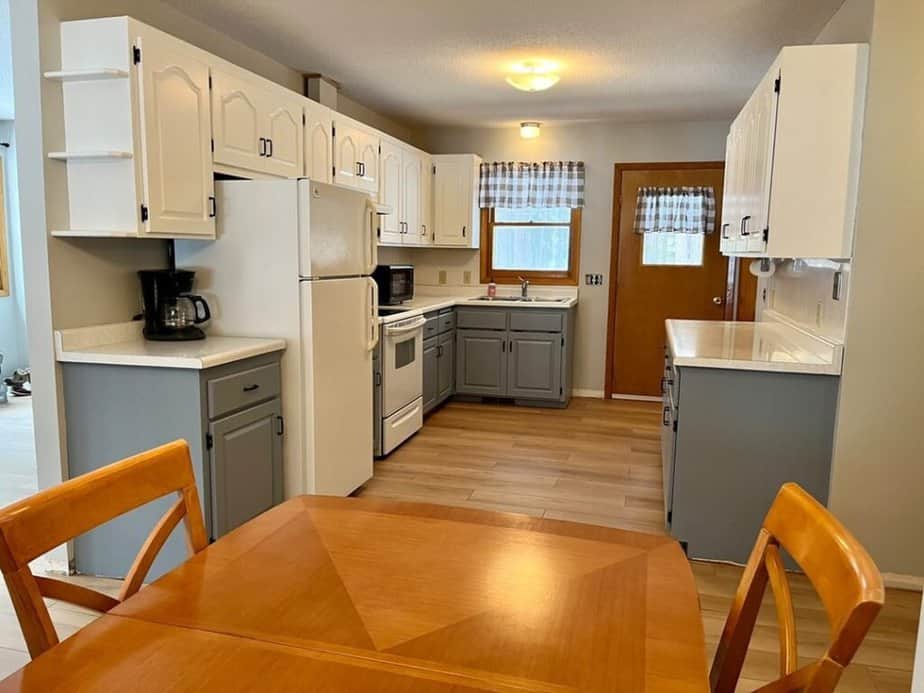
[337, 231]
[338, 384]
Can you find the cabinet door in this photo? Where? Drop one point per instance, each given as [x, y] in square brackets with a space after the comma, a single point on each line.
[446, 366]
[369, 163]
[729, 201]
[481, 362]
[430, 374]
[318, 142]
[236, 122]
[426, 201]
[245, 465]
[668, 439]
[410, 196]
[762, 131]
[534, 365]
[452, 202]
[391, 226]
[176, 138]
[284, 132]
[347, 143]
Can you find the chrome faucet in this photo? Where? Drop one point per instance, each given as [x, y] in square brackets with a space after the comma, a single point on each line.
[524, 287]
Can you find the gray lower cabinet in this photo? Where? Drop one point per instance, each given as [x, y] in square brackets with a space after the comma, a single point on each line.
[481, 362]
[523, 354]
[438, 358]
[230, 415]
[730, 439]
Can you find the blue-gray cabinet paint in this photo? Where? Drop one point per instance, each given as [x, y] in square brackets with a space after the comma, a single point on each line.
[117, 411]
[739, 436]
[439, 361]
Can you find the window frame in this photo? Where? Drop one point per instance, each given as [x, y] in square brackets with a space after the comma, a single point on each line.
[4, 230]
[568, 277]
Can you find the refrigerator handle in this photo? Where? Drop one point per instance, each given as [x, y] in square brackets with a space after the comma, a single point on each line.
[372, 248]
[373, 314]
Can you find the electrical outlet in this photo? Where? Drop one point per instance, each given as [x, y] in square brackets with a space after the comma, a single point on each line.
[593, 279]
[441, 277]
[467, 277]
[819, 313]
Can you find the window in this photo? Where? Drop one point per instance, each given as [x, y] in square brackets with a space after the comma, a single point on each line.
[541, 244]
[680, 249]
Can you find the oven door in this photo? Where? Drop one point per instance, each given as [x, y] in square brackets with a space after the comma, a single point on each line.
[402, 367]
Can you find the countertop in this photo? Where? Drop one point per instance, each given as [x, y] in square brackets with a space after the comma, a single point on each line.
[121, 344]
[758, 346]
[421, 304]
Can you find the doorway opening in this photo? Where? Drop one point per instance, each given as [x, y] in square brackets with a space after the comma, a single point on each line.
[663, 275]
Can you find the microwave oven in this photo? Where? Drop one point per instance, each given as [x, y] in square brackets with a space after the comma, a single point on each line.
[396, 283]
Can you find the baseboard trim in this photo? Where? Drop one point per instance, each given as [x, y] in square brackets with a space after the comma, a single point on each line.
[903, 582]
[636, 398]
[595, 394]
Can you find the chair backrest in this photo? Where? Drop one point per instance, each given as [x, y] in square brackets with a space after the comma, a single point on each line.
[35, 525]
[842, 573]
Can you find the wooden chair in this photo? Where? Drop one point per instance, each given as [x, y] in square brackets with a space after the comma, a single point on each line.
[35, 525]
[842, 573]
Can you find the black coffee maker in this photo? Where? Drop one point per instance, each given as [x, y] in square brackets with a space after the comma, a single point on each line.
[171, 312]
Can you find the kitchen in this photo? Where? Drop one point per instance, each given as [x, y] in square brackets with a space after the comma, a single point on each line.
[486, 374]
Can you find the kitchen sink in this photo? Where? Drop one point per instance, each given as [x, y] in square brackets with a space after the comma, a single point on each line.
[521, 299]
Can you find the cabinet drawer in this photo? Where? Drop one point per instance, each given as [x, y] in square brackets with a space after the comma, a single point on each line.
[402, 425]
[244, 389]
[481, 319]
[447, 322]
[432, 326]
[532, 320]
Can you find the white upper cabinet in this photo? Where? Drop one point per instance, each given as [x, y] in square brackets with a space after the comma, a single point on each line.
[319, 146]
[356, 155]
[456, 216]
[175, 135]
[426, 199]
[792, 162]
[257, 128]
[411, 174]
[391, 226]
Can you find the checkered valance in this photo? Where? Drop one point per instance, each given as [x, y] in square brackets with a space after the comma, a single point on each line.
[675, 210]
[512, 184]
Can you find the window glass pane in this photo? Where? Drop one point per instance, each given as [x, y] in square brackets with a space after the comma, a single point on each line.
[534, 214]
[672, 249]
[531, 248]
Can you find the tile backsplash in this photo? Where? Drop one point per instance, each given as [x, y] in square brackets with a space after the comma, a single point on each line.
[803, 291]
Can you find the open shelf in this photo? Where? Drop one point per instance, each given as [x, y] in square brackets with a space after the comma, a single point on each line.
[86, 75]
[86, 233]
[92, 154]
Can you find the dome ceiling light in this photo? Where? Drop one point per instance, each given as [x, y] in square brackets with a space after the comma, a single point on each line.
[533, 75]
[529, 130]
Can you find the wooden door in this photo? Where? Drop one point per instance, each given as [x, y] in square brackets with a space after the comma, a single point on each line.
[236, 122]
[318, 142]
[346, 155]
[391, 225]
[284, 132]
[649, 290]
[410, 196]
[176, 138]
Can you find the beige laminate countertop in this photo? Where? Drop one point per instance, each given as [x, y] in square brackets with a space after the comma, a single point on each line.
[425, 304]
[121, 344]
[757, 346]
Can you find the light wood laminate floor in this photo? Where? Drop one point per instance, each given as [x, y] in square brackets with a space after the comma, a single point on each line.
[595, 462]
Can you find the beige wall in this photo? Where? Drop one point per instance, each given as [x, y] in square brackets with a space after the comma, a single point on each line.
[600, 146]
[877, 481]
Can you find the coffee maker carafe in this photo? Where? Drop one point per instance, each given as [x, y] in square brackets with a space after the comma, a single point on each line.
[171, 312]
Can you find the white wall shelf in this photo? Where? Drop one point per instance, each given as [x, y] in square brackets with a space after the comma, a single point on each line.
[86, 75]
[93, 154]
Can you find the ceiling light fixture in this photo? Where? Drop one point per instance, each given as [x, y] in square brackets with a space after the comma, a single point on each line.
[533, 75]
[529, 130]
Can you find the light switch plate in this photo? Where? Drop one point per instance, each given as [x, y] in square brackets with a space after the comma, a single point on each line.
[593, 279]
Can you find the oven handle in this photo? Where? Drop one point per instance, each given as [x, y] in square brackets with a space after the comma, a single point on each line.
[373, 314]
[403, 329]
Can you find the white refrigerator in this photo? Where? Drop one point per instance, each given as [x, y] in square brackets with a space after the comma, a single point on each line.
[293, 260]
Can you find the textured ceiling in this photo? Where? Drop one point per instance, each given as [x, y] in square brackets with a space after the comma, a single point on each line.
[437, 62]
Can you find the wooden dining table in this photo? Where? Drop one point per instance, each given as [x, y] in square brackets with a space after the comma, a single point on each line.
[333, 594]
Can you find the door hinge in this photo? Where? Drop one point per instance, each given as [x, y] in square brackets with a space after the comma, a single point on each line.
[766, 234]
[333, 171]
[380, 149]
[434, 169]
[209, 441]
[776, 85]
[213, 145]
[210, 81]
[304, 119]
[144, 213]
[281, 428]
[136, 55]
[333, 130]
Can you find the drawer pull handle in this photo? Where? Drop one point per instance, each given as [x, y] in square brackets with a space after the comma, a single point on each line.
[251, 388]
[666, 416]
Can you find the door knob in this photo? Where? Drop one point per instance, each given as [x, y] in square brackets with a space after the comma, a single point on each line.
[717, 300]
